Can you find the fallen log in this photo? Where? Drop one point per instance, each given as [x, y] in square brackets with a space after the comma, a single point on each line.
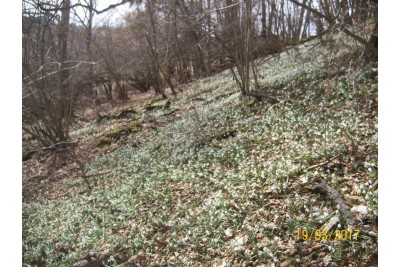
[336, 197]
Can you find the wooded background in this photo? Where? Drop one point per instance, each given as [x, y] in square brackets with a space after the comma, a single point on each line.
[164, 44]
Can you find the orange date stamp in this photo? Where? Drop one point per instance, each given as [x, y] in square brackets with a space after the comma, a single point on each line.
[323, 234]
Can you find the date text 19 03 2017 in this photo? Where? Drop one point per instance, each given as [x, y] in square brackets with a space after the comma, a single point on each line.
[323, 234]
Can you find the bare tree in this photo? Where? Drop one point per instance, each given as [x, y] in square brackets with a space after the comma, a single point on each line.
[46, 66]
[87, 22]
[236, 39]
[332, 14]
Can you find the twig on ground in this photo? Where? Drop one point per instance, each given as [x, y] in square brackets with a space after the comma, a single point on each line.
[322, 163]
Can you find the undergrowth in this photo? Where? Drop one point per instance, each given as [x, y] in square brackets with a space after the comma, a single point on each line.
[185, 197]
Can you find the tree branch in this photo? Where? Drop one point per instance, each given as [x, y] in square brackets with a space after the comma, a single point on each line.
[332, 22]
[123, 2]
[312, 10]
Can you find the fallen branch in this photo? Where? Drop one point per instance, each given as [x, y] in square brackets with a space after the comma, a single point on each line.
[100, 118]
[300, 171]
[58, 146]
[150, 106]
[197, 99]
[336, 197]
[171, 112]
[322, 163]
[61, 145]
[125, 112]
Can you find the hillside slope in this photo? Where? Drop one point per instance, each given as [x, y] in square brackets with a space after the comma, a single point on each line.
[219, 179]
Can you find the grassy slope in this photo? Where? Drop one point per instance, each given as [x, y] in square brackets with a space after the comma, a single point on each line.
[185, 197]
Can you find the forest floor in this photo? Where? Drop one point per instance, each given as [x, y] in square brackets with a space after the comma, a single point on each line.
[211, 178]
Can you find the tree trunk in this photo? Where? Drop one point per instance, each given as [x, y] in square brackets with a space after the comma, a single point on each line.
[263, 18]
[299, 27]
[271, 16]
[63, 83]
[152, 44]
[89, 41]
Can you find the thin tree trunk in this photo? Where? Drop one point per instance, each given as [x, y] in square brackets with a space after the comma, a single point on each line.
[248, 44]
[263, 18]
[370, 48]
[152, 44]
[270, 17]
[89, 41]
[299, 27]
[63, 83]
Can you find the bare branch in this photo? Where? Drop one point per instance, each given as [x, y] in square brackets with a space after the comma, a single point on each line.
[57, 71]
[331, 21]
[123, 2]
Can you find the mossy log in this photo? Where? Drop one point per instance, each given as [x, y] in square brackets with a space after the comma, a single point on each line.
[102, 118]
[118, 115]
[150, 106]
[116, 134]
[336, 197]
[105, 141]
[123, 113]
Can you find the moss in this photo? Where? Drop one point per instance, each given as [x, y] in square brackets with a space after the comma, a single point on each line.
[133, 127]
[106, 141]
[115, 134]
[152, 107]
[167, 104]
[149, 105]
[164, 105]
[124, 113]
[134, 124]
[27, 138]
